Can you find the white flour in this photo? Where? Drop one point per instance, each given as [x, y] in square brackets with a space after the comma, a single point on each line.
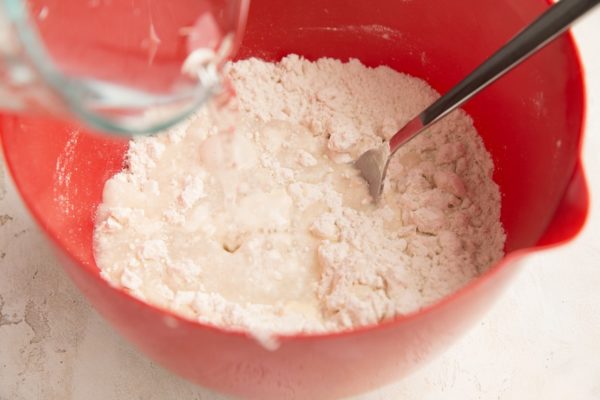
[254, 220]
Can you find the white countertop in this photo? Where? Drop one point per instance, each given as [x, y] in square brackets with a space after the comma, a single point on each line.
[541, 340]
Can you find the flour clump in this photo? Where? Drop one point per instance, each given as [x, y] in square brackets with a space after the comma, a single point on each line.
[251, 217]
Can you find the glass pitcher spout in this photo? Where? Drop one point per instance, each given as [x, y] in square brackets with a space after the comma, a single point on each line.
[127, 67]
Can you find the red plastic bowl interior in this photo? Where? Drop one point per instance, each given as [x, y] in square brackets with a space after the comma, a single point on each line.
[531, 122]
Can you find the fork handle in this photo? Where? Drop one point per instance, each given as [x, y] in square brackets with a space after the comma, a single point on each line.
[536, 35]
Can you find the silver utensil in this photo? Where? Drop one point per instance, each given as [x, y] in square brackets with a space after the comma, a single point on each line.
[373, 163]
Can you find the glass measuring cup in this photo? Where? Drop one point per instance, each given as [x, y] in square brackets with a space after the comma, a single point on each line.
[125, 66]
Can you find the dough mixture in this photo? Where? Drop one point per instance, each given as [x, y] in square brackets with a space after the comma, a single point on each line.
[250, 216]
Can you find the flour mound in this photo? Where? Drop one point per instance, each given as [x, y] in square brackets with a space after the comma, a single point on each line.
[250, 217]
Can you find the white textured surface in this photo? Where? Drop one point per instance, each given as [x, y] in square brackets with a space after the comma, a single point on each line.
[541, 340]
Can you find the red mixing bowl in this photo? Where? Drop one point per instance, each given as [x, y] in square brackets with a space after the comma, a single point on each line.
[531, 122]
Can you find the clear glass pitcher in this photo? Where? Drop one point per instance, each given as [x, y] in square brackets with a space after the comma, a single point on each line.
[125, 66]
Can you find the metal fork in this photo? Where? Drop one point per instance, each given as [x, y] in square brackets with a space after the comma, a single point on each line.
[373, 163]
